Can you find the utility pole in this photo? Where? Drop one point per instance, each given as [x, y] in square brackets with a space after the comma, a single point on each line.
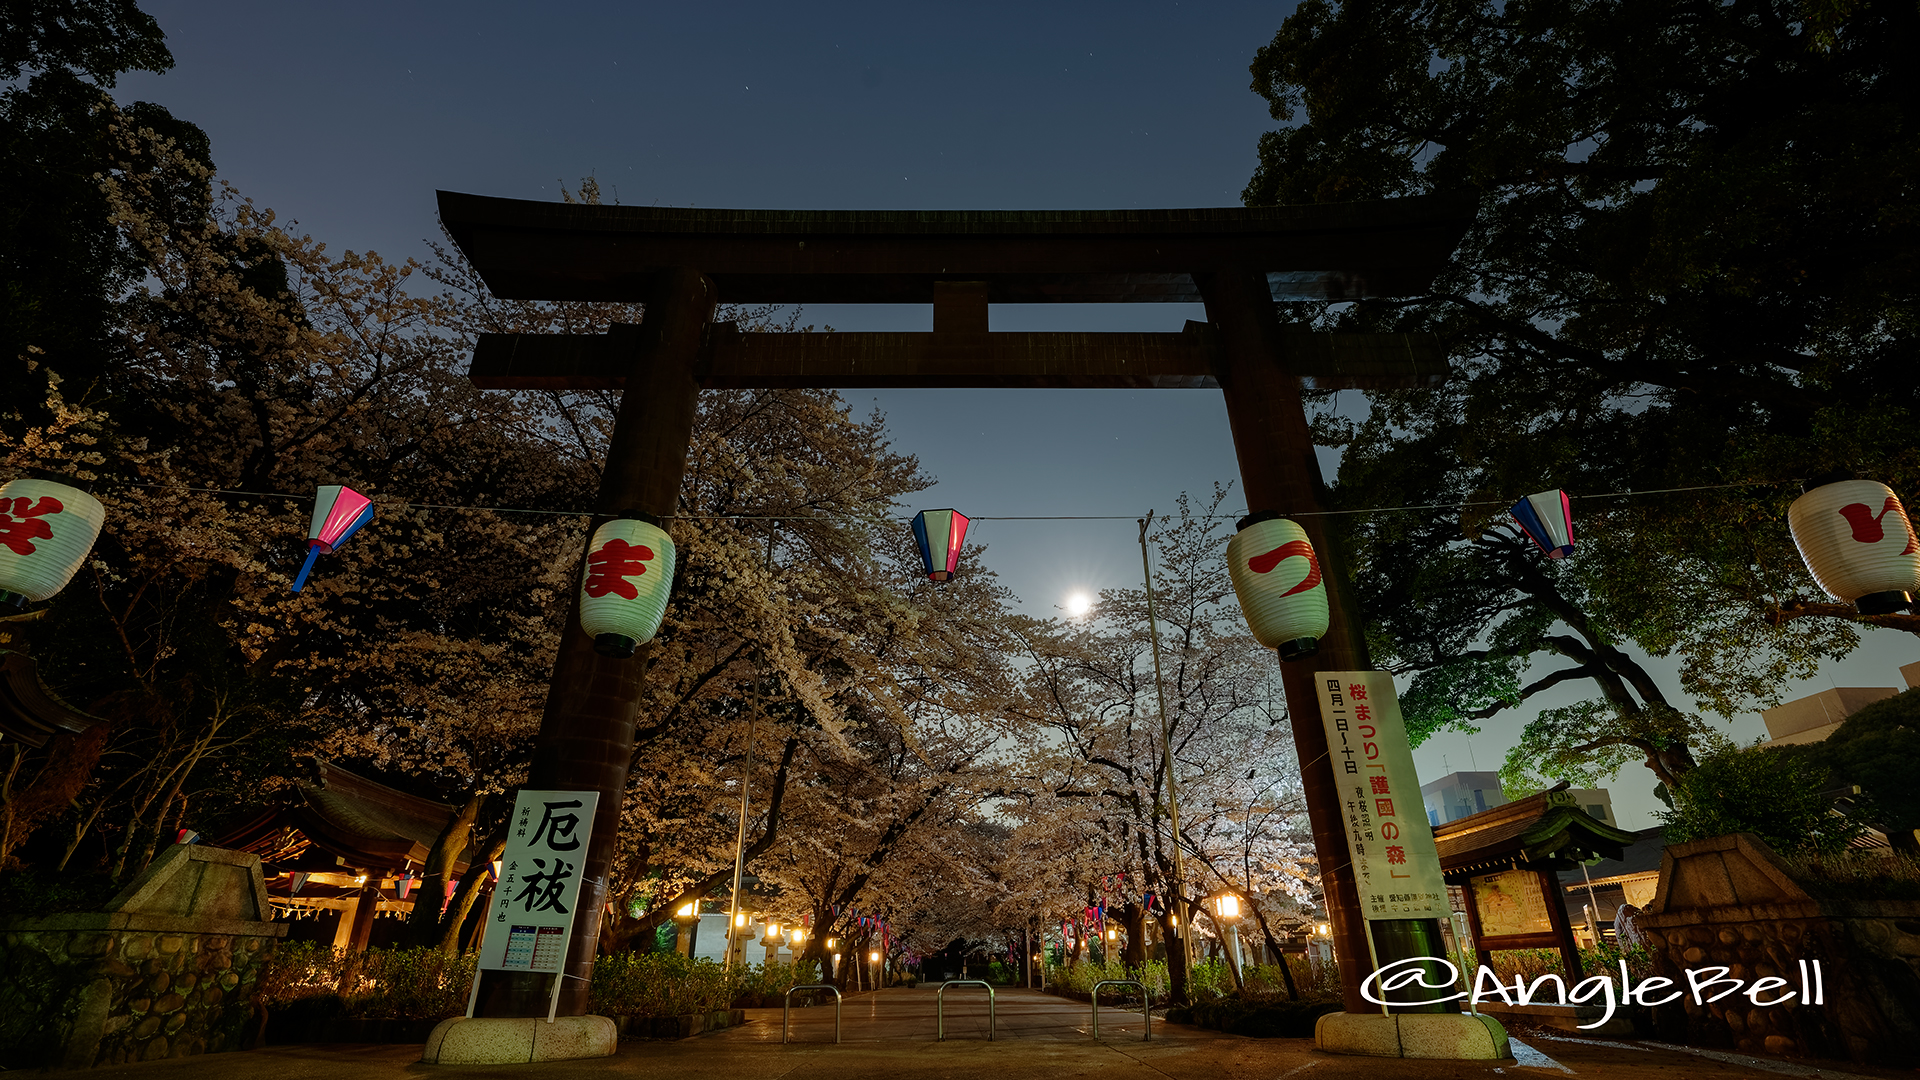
[1180, 934]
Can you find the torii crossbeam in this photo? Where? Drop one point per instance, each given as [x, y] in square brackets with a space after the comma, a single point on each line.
[681, 262]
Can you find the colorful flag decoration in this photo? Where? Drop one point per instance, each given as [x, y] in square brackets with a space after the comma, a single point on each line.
[1547, 519]
[940, 534]
[403, 884]
[338, 513]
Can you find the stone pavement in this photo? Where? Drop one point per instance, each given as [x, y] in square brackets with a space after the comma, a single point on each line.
[890, 1034]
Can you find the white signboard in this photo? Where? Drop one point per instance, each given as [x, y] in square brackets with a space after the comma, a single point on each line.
[1395, 864]
[534, 900]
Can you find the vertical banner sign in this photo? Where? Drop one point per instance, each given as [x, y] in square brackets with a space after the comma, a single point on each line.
[1395, 865]
[532, 916]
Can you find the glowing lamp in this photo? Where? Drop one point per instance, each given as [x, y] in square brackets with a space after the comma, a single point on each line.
[740, 920]
[686, 912]
[338, 513]
[1858, 543]
[46, 530]
[1228, 906]
[1547, 519]
[625, 584]
[1276, 577]
[940, 533]
[874, 956]
[1324, 929]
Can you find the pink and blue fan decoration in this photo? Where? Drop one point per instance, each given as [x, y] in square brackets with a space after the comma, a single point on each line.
[1547, 519]
[940, 533]
[338, 513]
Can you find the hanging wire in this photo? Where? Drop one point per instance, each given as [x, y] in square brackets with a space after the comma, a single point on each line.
[987, 517]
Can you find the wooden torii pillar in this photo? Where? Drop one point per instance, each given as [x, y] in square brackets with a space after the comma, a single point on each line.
[680, 262]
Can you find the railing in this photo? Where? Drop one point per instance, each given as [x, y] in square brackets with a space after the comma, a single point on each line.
[939, 1002]
[1146, 1005]
[787, 1009]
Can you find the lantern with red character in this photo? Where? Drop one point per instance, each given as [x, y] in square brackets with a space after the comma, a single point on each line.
[1276, 577]
[626, 582]
[1857, 542]
[940, 533]
[46, 530]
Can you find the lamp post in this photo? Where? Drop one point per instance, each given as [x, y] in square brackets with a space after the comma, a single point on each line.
[770, 940]
[873, 958]
[686, 919]
[1226, 908]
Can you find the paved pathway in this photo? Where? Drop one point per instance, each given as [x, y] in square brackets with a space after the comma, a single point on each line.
[889, 1035]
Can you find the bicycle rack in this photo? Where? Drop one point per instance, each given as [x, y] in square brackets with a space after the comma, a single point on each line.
[939, 1004]
[787, 1009]
[1146, 1005]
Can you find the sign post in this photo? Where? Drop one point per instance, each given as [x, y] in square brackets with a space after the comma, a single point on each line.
[1396, 867]
[534, 901]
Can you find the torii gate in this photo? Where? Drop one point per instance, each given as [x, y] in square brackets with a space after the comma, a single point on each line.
[681, 262]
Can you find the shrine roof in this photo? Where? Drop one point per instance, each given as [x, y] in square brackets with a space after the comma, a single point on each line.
[531, 250]
[365, 823]
[1545, 831]
[29, 712]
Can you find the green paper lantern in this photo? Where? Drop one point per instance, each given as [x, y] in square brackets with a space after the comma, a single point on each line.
[626, 584]
[46, 531]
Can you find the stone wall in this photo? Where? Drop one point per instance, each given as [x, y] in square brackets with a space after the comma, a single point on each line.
[167, 970]
[1727, 901]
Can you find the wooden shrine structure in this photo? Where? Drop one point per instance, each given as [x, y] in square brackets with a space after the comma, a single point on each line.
[681, 262]
[338, 849]
[1505, 861]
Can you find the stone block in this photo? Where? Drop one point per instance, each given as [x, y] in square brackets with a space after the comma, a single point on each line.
[502, 1041]
[1453, 1037]
[1367, 1034]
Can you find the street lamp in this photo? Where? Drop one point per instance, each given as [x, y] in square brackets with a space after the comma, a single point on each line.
[771, 939]
[1226, 909]
[686, 919]
[873, 958]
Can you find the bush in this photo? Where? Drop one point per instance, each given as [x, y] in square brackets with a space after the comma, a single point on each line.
[1261, 1015]
[1762, 791]
[378, 984]
[314, 980]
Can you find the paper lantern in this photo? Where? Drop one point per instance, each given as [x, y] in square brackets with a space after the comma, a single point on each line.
[940, 534]
[1547, 519]
[46, 530]
[1276, 576]
[625, 585]
[338, 513]
[1858, 543]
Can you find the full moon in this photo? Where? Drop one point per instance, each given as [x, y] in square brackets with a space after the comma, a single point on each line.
[1079, 604]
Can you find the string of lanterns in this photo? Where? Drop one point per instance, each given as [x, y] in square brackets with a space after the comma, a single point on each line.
[1854, 536]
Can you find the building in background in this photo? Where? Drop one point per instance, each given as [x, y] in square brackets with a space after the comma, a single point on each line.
[1462, 794]
[1816, 716]
[1457, 795]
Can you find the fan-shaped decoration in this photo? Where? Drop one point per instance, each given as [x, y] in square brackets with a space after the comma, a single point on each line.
[338, 513]
[1858, 543]
[1547, 519]
[940, 534]
[1276, 575]
[624, 589]
[46, 530]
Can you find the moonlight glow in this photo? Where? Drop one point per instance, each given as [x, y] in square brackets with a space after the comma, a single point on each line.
[1079, 604]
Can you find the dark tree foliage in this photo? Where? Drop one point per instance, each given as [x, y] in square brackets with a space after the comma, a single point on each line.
[63, 266]
[1778, 797]
[1875, 749]
[1694, 266]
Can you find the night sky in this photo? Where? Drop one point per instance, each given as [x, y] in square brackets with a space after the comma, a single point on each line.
[346, 117]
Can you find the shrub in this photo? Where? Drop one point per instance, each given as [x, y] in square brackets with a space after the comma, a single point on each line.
[426, 984]
[1762, 791]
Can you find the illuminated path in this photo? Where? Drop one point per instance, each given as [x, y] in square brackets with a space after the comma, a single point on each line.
[889, 1035]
